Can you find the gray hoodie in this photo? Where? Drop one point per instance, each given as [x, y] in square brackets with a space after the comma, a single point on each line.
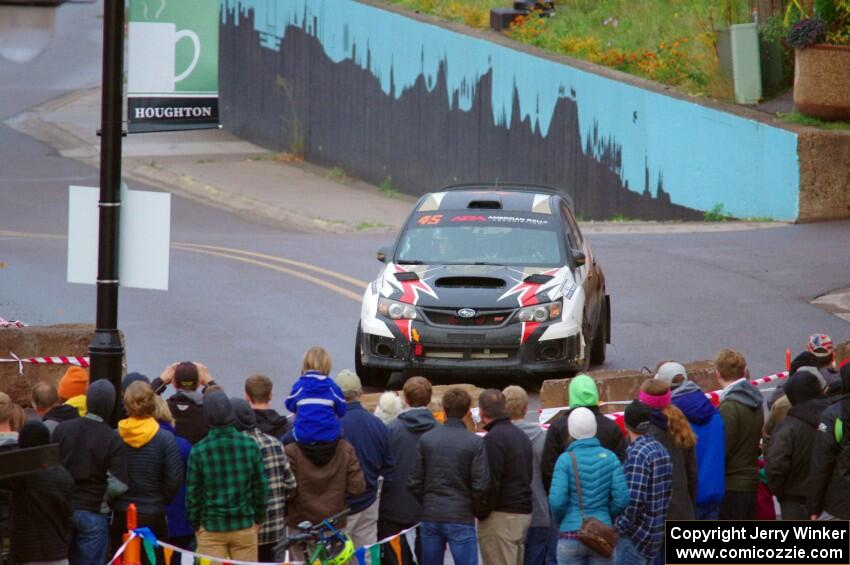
[539, 499]
[743, 392]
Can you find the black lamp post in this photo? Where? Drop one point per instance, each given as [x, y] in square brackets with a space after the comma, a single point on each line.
[106, 351]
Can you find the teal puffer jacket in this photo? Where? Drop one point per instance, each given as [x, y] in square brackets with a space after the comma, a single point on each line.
[603, 485]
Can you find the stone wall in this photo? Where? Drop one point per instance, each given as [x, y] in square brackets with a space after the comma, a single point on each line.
[621, 385]
[824, 175]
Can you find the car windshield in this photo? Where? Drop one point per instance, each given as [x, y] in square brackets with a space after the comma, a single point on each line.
[505, 239]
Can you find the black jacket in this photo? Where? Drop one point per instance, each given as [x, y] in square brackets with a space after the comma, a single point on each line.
[398, 504]
[58, 414]
[510, 457]
[558, 438]
[683, 501]
[41, 515]
[187, 407]
[272, 423]
[789, 451]
[829, 473]
[90, 449]
[156, 473]
[450, 476]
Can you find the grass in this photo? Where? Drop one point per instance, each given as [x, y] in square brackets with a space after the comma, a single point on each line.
[389, 189]
[669, 41]
[363, 226]
[796, 117]
[619, 218]
[338, 173]
[716, 214]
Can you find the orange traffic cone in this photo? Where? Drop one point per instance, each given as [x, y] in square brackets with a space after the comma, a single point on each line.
[133, 553]
[788, 360]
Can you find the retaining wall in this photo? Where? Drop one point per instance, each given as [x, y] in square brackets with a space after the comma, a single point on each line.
[384, 94]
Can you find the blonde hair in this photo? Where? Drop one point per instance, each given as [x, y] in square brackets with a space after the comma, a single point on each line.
[139, 400]
[730, 364]
[316, 359]
[516, 401]
[677, 424]
[161, 411]
[841, 352]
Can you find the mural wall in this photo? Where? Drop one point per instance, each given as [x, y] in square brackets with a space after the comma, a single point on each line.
[383, 95]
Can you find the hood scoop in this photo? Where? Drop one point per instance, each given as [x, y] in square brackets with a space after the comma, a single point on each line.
[538, 278]
[469, 282]
[406, 276]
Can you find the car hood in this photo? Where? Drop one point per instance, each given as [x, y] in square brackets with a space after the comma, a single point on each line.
[474, 286]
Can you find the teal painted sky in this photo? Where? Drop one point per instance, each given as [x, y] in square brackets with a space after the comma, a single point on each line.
[705, 156]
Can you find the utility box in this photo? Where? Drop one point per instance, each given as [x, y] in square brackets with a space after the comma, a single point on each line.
[738, 51]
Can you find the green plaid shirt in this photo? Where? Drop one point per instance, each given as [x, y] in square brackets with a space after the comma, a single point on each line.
[226, 484]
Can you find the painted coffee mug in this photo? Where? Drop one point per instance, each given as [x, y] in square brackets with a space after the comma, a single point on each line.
[152, 56]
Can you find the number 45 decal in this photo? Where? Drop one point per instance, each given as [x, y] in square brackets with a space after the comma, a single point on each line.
[430, 220]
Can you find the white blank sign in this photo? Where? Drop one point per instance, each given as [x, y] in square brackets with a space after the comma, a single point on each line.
[145, 234]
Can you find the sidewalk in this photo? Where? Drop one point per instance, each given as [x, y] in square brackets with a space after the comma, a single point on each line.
[218, 168]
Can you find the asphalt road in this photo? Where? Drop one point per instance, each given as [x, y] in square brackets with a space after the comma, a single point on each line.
[681, 296]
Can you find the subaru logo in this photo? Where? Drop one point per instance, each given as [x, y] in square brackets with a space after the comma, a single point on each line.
[466, 313]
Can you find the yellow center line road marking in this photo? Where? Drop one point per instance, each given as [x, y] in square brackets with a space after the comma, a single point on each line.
[330, 286]
[245, 256]
[307, 266]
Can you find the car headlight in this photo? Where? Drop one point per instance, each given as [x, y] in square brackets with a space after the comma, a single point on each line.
[539, 312]
[396, 310]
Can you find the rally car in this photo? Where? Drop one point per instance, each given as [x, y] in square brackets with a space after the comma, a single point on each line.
[485, 281]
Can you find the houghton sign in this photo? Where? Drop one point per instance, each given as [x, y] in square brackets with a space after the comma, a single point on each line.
[172, 67]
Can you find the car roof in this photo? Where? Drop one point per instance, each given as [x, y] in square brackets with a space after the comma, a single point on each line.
[512, 197]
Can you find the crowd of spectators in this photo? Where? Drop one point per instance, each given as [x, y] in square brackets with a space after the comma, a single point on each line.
[228, 477]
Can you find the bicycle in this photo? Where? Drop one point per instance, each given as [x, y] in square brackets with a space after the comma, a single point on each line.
[323, 543]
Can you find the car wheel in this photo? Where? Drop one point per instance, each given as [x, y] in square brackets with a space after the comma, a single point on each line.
[600, 338]
[368, 376]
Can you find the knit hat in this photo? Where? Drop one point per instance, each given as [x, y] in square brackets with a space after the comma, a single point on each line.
[218, 412]
[583, 391]
[669, 371]
[100, 399]
[246, 419]
[804, 359]
[802, 386]
[348, 381]
[581, 423]
[133, 377]
[815, 372]
[186, 376]
[73, 383]
[33, 434]
[638, 417]
[820, 345]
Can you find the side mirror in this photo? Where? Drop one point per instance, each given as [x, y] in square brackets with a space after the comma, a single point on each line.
[383, 253]
[579, 258]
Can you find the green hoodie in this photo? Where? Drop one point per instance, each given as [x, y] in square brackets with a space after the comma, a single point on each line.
[583, 391]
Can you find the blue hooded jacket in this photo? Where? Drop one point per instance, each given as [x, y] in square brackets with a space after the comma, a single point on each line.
[707, 424]
[603, 484]
[318, 404]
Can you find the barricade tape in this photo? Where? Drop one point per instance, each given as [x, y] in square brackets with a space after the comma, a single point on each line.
[58, 360]
[4, 323]
[149, 539]
[546, 414]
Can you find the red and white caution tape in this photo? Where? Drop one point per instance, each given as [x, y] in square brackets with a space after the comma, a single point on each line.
[547, 414]
[59, 360]
[4, 323]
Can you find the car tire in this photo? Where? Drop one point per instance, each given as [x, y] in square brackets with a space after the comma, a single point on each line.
[369, 376]
[600, 338]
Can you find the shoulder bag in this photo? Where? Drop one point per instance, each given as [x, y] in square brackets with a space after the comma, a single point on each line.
[594, 534]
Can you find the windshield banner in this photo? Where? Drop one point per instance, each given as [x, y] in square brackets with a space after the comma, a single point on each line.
[501, 219]
[172, 65]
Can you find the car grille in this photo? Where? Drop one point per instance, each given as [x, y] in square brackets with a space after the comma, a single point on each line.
[447, 317]
[469, 353]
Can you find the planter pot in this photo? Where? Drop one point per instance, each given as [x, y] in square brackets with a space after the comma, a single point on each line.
[738, 51]
[822, 82]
